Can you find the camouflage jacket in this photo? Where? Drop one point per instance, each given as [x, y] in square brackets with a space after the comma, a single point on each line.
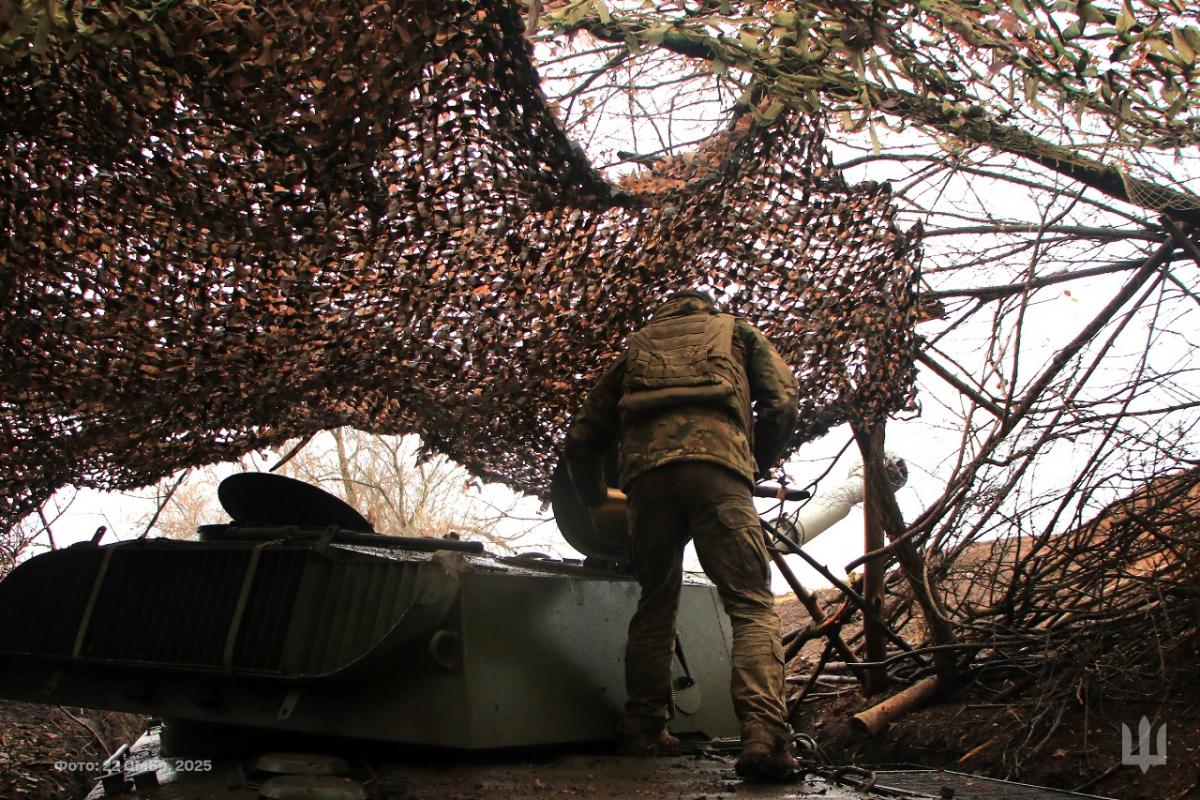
[686, 432]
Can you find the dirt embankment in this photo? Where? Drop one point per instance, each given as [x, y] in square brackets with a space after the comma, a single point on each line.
[1024, 738]
[968, 735]
[53, 753]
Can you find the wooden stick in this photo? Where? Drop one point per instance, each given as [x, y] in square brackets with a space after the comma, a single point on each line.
[95, 735]
[875, 645]
[842, 586]
[873, 721]
[794, 704]
[883, 505]
[834, 635]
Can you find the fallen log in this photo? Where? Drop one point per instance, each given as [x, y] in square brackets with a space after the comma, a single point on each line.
[875, 719]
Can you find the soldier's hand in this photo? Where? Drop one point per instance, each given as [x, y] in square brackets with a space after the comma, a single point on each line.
[610, 515]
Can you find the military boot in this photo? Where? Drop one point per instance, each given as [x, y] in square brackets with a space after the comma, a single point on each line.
[767, 759]
[641, 736]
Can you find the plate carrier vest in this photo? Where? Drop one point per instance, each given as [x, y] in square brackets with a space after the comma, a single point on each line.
[686, 360]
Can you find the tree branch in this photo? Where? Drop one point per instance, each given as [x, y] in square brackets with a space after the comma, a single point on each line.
[794, 81]
[1008, 289]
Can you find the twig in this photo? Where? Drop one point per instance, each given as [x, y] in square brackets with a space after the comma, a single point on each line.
[163, 503]
[46, 527]
[857, 598]
[1187, 791]
[1182, 235]
[997, 292]
[95, 735]
[814, 610]
[795, 703]
[962, 387]
[292, 453]
[1090, 782]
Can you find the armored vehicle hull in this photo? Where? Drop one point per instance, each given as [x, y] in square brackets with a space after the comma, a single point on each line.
[299, 630]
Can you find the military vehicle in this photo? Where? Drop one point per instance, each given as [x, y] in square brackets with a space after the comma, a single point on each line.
[294, 652]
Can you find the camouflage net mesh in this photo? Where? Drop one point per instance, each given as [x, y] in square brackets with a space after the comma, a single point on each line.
[226, 226]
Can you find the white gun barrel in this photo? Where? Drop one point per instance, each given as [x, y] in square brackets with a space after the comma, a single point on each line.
[830, 507]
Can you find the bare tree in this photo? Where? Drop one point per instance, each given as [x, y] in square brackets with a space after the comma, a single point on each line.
[37, 530]
[16, 544]
[183, 503]
[400, 489]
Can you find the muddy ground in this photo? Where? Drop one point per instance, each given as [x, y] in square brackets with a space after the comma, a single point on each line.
[562, 773]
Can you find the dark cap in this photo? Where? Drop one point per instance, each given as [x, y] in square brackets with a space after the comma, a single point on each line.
[692, 293]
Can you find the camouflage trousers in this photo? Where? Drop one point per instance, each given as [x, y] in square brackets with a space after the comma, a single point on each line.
[711, 505]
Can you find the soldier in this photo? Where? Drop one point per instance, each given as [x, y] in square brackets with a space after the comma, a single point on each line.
[700, 405]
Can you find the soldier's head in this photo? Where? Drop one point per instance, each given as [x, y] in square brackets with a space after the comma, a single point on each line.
[692, 294]
[686, 301]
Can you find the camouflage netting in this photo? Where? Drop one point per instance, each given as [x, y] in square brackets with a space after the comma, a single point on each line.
[226, 226]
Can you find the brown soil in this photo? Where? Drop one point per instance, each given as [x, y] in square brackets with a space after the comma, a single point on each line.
[974, 734]
[1083, 754]
[39, 745]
